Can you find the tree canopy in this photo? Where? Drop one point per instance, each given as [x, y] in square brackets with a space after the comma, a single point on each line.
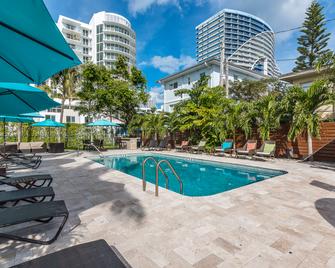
[312, 43]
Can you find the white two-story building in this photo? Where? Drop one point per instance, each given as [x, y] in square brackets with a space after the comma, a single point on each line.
[187, 77]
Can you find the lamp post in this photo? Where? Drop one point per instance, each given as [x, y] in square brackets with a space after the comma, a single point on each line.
[224, 68]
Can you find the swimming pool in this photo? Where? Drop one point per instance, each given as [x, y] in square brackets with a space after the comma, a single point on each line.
[200, 177]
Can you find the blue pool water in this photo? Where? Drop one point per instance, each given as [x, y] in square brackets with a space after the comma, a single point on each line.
[200, 178]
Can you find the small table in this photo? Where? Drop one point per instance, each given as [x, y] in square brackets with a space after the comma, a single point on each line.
[56, 147]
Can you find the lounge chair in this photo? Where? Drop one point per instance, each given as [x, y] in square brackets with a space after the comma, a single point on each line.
[151, 146]
[27, 181]
[162, 145]
[32, 195]
[199, 148]
[249, 148]
[95, 254]
[183, 146]
[28, 161]
[40, 212]
[267, 149]
[226, 147]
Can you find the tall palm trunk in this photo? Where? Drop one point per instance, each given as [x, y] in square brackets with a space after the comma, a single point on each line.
[310, 145]
[62, 110]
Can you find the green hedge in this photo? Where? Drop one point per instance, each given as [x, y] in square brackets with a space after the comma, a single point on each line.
[72, 135]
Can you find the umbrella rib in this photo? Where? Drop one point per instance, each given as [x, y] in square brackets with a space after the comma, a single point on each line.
[21, 99]
[17, 69]
[35, 40]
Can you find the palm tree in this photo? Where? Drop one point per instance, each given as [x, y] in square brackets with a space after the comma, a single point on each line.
[305, 115]
[65, 82]
[155, 125]
[238, 115]
[268, 115]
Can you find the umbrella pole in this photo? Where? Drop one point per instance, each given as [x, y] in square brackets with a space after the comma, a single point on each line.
[19, 133]
[49, 134]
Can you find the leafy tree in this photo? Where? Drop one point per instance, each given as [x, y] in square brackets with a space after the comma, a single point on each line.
[93, 77]
[120, 69]
[305, 116]
[314, 38]
[66, 83]
[248, 90]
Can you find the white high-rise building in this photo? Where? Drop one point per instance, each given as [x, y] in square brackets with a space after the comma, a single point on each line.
[102, 40]
[248, 41]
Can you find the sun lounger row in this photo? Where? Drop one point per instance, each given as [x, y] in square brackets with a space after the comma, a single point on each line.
[36, 190]
[155, 146]
[267, 149]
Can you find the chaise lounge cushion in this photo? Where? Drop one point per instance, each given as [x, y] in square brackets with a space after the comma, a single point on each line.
[268, 148]
[92, 254]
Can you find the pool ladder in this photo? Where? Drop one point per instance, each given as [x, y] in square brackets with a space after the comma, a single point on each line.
[159, 168]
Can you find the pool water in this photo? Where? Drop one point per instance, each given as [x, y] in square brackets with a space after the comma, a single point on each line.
[200, 177]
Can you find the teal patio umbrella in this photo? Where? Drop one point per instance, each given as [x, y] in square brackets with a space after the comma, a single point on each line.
[32, 115]
[32, 48]
[48, 123]
[16, 99]
[13, 119]
[101, 123]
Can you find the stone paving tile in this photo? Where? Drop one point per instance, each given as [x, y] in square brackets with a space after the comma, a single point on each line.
[284, 221]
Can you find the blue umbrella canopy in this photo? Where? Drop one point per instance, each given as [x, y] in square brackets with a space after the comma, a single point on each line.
[32, 115]
[15, 119]
[18, 99]
[48, 123]
[32, 47]
[102, 123]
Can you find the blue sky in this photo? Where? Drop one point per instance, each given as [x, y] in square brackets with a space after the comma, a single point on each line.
[165, 29]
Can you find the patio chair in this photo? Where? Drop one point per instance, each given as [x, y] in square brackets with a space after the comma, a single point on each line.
[184, 146]
[95, 254]
[199, 148]
[249, 148]
[32, 195]
[27, 181]
[267, 149]
[38, 147]
[24, 147]
[162, 145]
[226, 147]
[39, 212]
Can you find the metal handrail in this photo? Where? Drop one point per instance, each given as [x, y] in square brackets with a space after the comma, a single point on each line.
[96, 148]
[144, 183]
[174, 172]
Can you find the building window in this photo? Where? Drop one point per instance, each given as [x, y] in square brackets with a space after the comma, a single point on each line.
[70, 119]
[202, 75]
[235, 77]
[55, 110]
[175, 85]
[52, 117]
[85, 42]
[189, 80]
[85, 50]
[85, 33]
[99, 28]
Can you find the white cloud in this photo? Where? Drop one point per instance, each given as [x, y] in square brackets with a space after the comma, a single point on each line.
[156, 95]
[170, 64]
[140, 6]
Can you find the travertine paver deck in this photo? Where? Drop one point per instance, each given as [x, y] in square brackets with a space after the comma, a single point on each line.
[287, 221]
